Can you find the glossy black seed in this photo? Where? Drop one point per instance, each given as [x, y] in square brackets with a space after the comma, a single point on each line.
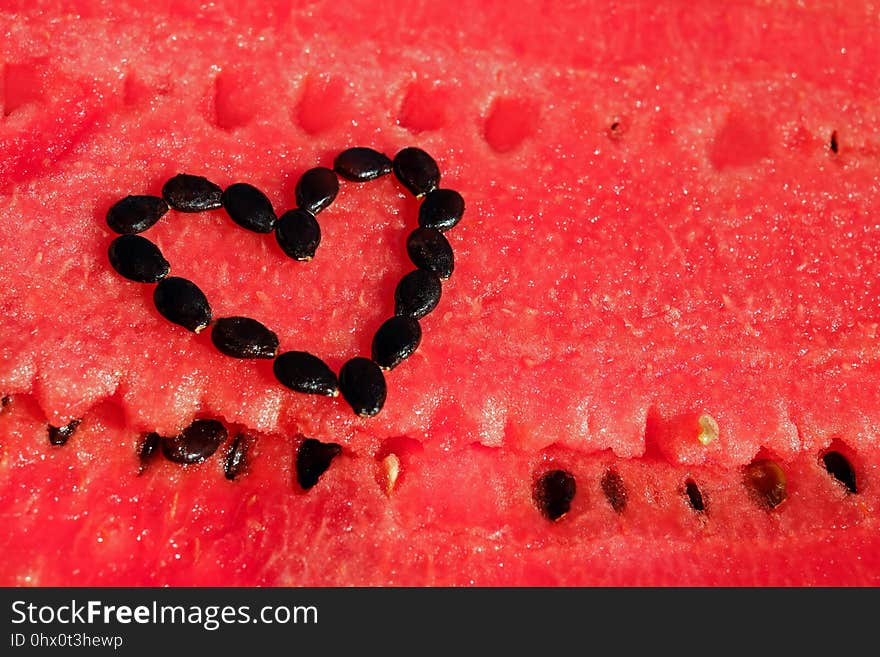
[187, 193]
[195, 443]
[834, 145]
[614, 490]
[243, 337]
[134, 214]
[303, 372]
[429, 249]
[316, 189]
[138, 259]
[694, 495]
[417, 294]
[442, 209]
[182, 302]
[60, 435]
[839, 467]
[416, 170]
[553, 493]
[767, 482]
[312, 460]
[5, 401]
[236, 460]
[149, 445]
[249, 207]
[361, 164]
[298, 234]
[396, 339]
[363, 386]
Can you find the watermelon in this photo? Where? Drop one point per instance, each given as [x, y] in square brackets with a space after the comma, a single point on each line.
[655, 363]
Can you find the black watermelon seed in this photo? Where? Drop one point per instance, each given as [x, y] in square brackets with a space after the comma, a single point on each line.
[416, 170]
[195, 443]
[363, 386]
[361, 164]
[312, 460]
[303, 372]
[60, 435]
[236, 459]
[429, 249]
[148, 446]
[138, 259]
[839, 467]
[396, 339]
[5, 401]
[442, 209]
[187, 193]
[417, 294]
[767, 481]
[298, 234]
[834, 145]
[249, 208]
[243, 337]
[182, 302]
[694, 495]
[134, 214]
[553, 493]
[316, 189]
[615, 490]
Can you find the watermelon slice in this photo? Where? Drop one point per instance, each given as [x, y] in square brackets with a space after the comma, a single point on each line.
[655, 363]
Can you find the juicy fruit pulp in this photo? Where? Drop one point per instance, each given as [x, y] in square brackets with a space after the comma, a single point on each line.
[658, 230]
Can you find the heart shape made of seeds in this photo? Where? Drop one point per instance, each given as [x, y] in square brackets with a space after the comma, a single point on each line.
[361, 380]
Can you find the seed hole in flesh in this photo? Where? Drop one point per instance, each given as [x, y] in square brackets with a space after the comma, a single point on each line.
[767, 482]
[233, 99]
[137, 91]
[614, 490]
[839, 467]
[5, 402]
[60, 435]
[313, 459]
[510, 122]
[695, 496]
[323, 104]
[617, 129]
[833, 144]
[743, 140]
[423, 108]
[553, 493]
[22, 84]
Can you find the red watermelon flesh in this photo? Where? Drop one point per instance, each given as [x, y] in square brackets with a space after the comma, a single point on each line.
[657, 230]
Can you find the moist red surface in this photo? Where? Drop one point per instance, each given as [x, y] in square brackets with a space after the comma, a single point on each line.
[709, 254]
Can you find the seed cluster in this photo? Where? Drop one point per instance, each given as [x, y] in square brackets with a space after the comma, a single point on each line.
[298, 233]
